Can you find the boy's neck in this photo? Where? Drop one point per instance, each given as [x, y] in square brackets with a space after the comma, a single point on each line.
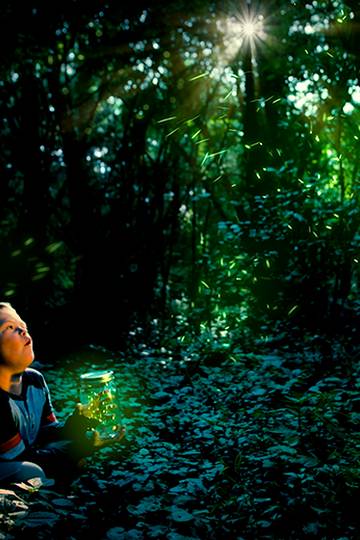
[11, 382]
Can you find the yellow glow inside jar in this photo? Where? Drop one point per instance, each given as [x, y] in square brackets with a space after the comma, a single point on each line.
[98, 396]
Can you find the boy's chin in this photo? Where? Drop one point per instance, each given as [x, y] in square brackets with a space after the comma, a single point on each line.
[29, 361]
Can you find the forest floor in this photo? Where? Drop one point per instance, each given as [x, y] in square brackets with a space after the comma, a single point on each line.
[254, 446]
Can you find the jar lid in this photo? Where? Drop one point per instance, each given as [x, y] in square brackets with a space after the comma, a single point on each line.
[97, 376]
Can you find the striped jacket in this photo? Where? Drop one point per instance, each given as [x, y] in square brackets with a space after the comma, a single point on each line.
[23, 418]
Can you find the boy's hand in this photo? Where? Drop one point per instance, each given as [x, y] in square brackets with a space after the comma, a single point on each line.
[101, 442]
[77, 424]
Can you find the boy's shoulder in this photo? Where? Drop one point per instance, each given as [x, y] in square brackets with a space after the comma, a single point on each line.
[34, 377]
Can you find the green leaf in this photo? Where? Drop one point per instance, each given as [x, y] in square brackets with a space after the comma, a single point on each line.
[180, 515]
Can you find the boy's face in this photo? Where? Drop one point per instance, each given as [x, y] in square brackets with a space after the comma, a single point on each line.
[16, 352]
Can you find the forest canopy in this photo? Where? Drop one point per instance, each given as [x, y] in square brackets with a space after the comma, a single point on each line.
[194, 168]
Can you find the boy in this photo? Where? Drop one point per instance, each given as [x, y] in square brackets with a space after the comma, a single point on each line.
[32, 442]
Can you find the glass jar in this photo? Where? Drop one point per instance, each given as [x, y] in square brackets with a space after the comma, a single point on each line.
[98, 396]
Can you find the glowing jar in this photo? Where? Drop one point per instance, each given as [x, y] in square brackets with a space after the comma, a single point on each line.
[98, 396]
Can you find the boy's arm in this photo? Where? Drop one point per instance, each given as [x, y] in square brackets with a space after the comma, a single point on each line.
[11, 443]
[51, 429]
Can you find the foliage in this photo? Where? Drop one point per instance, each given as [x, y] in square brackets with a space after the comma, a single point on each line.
[257, 446]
